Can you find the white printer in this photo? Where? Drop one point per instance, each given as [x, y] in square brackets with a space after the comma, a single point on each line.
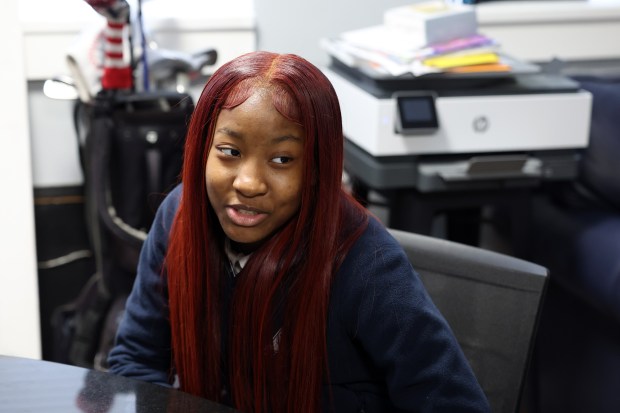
[440, 131]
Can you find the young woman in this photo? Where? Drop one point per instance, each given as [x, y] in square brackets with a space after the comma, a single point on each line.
[264, 286]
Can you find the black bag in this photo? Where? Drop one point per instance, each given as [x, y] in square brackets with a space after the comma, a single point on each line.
[131, 155]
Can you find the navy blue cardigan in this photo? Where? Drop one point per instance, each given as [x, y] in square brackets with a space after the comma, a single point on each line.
[389, 348]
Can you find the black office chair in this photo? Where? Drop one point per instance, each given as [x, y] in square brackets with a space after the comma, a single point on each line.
[491, 302]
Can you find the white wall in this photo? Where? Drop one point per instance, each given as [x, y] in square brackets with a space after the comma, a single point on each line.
[296, 26]
[532, 30]
[19, 309]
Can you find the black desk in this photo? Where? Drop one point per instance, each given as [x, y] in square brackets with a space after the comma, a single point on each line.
[40, 386]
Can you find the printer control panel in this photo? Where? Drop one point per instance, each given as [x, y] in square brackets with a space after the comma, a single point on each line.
[415, 113]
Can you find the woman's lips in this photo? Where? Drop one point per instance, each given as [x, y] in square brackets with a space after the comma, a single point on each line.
[245, 216]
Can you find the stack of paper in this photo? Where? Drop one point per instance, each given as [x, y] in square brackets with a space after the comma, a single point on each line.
[476, 53]
[434, 21]
[401, 45]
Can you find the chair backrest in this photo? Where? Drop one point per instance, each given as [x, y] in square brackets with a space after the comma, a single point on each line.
[491, 302]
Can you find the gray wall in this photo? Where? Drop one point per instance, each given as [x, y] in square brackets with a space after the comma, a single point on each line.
[296, 26]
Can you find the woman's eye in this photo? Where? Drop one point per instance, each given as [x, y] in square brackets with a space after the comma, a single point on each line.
[282, 159]
[229, 151]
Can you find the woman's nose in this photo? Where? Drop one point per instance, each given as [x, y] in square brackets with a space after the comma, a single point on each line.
[250, 181]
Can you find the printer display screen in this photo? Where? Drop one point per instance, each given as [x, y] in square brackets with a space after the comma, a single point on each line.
[416, 113]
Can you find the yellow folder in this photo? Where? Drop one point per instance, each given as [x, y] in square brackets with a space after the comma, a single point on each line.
[447, 61]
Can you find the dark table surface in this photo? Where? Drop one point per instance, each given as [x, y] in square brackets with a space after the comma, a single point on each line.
[33, 386]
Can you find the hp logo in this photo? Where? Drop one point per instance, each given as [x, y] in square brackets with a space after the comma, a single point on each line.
[481, 124]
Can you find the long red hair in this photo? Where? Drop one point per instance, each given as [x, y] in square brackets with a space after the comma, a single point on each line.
[285, 286]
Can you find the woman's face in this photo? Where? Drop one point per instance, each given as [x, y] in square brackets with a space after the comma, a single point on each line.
[254, 170]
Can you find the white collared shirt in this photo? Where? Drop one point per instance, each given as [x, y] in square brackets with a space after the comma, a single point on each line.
[237, 259]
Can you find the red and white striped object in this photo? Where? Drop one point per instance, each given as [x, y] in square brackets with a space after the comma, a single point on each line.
[116, 69]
